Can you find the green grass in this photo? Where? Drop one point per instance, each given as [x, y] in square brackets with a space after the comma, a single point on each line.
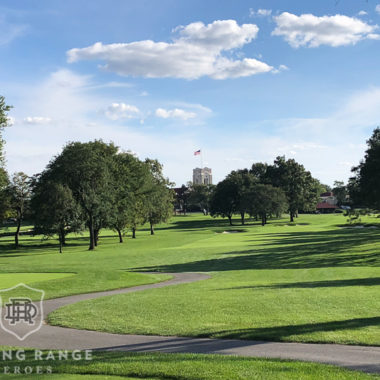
[310, 281]
[184, 367]
[8, 280]
[65, 376]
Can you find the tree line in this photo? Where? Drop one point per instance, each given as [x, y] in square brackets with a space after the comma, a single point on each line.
[89, 186]
[266, 190]
[364, 185]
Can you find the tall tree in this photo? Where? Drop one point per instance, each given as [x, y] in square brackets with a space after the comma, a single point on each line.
[295, 181]
[87, 170]
[243, 181]
[266, 200]
[365, 185]
[182, 198]
[224, 199]
[54, 210]
[131, 184]
[160, 197]
[200, 196]
[4, 121]
[340, 192]
[19, 191]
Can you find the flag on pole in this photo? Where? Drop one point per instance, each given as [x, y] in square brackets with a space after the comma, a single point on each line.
[197, 152]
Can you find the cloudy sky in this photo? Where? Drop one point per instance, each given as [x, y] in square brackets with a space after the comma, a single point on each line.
[244, 81]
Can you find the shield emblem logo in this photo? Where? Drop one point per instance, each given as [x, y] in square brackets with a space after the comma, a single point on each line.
[21, 310]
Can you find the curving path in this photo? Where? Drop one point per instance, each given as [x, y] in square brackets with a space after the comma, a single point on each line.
[52, 337]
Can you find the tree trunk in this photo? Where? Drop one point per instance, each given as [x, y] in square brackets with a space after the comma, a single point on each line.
[61, 238]
[133, 233]
[120, 235]
[96, 236]
[17, 234]
[230, 220]
[291, 217]
[92, 236]
[242, 218]
[151, 229]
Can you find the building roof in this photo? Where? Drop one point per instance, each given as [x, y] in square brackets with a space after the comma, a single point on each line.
[327, 194]
[321, 205]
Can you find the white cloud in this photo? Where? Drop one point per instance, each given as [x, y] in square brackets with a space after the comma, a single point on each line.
[362, 13]
[37, 120]
[175, 113]
[336, 139]
[122, 111]
[312, 31]
[260, 12]
[196, 51]
[280, 69]
[9, 31]
[377, 8]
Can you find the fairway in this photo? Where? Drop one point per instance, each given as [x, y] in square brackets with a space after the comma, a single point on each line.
[7, 280]
[313, 281]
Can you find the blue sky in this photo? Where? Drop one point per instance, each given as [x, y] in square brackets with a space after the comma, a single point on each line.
[243, 81]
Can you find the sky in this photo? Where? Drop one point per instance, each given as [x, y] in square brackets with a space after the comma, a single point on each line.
[244, 81]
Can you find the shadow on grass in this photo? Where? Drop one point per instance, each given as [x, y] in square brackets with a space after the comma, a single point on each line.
[372, 281]
[215, 223]
[283, 332]
[293, 250]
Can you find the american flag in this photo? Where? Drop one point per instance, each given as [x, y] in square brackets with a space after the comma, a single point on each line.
[197, 152]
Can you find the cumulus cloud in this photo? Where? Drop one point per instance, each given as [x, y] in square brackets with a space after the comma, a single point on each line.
[175, 113]
[118, 111]
[196, 51]
[312, 31]
[362, 13]
[260, 12]
[37, 120]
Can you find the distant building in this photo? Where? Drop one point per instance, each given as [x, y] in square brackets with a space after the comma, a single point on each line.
[329, 198]
[327, 203]
[202, 176]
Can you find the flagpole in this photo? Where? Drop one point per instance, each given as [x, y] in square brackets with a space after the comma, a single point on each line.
[201, 159]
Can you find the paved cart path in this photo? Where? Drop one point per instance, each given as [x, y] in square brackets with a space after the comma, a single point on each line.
[363, 358]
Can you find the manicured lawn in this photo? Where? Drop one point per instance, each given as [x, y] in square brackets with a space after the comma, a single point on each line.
[185, 367]
[310, 282]
[7, 280]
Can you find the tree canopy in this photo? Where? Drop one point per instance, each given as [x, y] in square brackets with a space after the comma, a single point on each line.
[364, 186]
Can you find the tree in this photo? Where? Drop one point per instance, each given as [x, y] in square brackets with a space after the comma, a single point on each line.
[340, 192]
[4, 121]
[200, 196]
[243, 181]
[159, 199]
[54, 210]
[266, 200]
[223, 201]
[364, 187]
[297, 183]
[87, 170]
[5, 205]
[19, 192]
[182, 197]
